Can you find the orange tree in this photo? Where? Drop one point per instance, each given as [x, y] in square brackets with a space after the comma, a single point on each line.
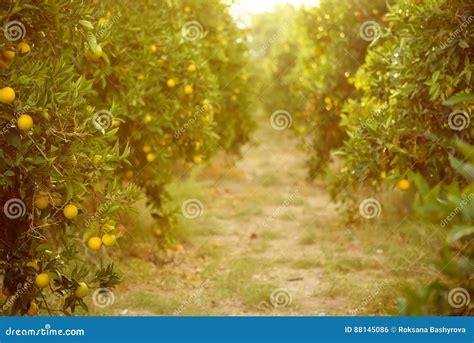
[413, 100]
[338, 34]
[49, 169]
[164, 92]
[399, 120]
[276, 46]
[226, 51]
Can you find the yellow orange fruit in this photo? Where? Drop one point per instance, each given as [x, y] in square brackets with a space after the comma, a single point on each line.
[140, 77]
[24, 122]
[23, 47]
[108, 240]
[94, 243]
[7, 95]
[188, 89]
[146, 149]
[42, 280]
[8, 55]
[191, 68]
[33, 264]
[70, 211]
[198, 159]
[403, 184]
[153, 48]
[81, 291]
[171, 83]
[150, 157]
[383, 175]
[42, 202]
[32, 310]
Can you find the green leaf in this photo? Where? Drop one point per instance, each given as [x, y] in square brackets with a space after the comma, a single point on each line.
[86, 24]
[459, 232]
[459, 98]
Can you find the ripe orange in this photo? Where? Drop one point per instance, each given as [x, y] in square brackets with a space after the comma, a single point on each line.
[42, 280]
[171, 83]
[108, 240]
[23, 47]
[32, 310]
[94, 243]
[7, 95]
[403, 184]
[81, 291]
[188, 89]
[24, 122]
[70, 211]
[8, 55]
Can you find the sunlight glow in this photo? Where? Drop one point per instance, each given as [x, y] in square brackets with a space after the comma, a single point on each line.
[244, 9]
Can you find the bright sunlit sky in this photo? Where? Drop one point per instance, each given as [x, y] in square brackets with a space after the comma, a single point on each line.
[243, 9]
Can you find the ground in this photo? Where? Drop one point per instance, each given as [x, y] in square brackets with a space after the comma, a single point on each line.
[270, 243]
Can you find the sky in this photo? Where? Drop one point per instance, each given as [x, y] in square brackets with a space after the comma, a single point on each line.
[243, 9]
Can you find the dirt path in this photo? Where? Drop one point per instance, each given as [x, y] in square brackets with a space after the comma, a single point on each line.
[268, 243]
